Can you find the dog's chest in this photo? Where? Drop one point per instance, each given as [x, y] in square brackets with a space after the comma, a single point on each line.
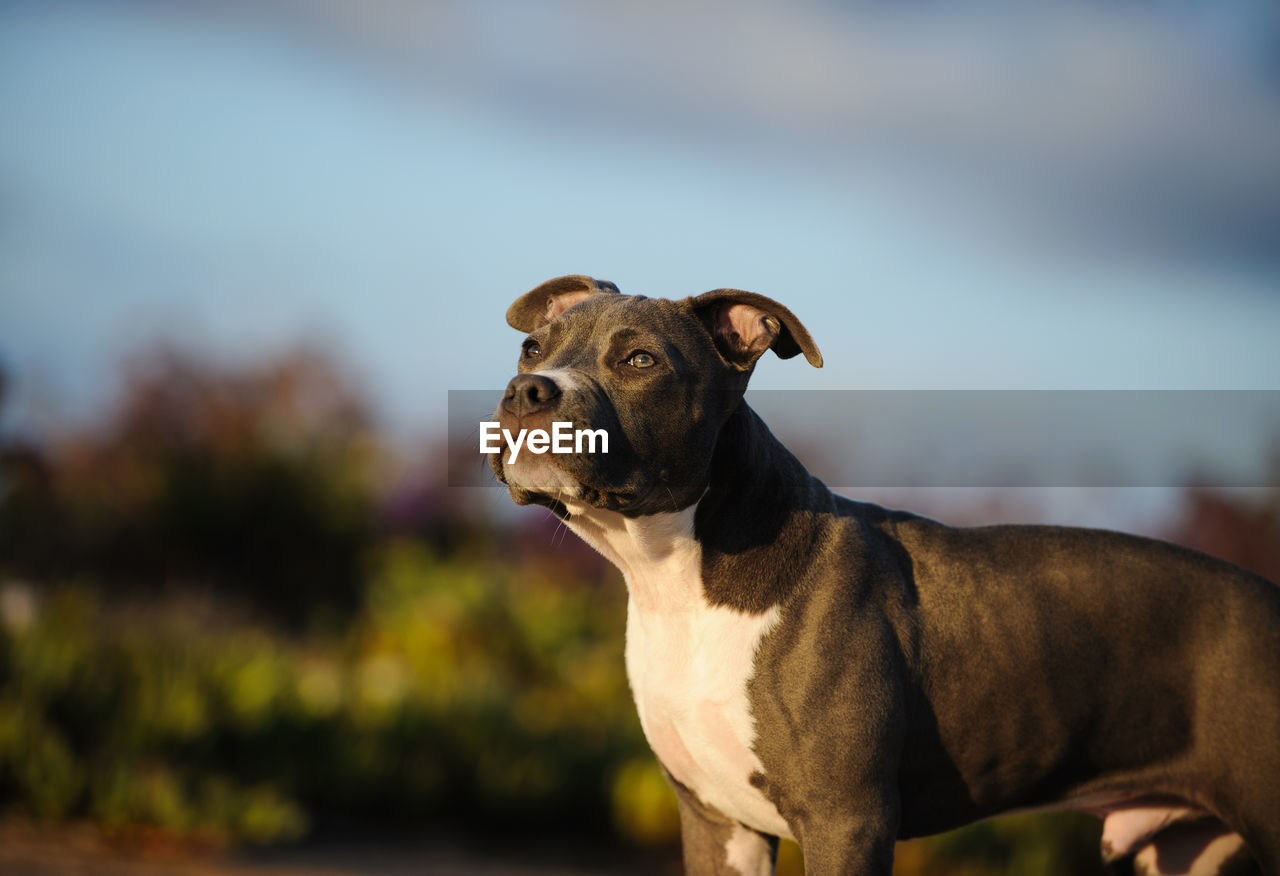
[689, 662]
[689, 668]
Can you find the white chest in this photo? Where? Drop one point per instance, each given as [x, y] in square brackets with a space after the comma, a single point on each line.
[689, 674]
[688, 662]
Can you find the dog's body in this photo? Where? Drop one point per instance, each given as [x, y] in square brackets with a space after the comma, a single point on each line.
[812, 667]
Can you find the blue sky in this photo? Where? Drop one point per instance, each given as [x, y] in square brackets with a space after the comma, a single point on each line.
[237, 183]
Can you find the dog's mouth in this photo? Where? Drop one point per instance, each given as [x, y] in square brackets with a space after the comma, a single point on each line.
[605, 473]
[569, 491]
[547, 480]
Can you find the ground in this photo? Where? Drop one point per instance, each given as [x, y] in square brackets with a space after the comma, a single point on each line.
[28, 849]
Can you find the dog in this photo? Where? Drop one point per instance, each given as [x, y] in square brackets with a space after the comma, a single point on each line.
[830, 671]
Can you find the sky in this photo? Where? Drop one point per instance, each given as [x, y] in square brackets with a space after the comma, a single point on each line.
[966, 196]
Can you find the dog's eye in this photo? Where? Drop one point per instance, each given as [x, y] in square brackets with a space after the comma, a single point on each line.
[532, 349]
[640, 360]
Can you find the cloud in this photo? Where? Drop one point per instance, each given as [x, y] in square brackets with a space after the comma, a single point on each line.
[1154, 123]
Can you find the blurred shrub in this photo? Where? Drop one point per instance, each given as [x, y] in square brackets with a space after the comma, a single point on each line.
[644, 807]
[114, 723]
[462, 690]
[1242, 531]
[257, 481]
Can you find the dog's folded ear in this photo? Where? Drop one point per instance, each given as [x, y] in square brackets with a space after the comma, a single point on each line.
[540, 305]
[744, 325]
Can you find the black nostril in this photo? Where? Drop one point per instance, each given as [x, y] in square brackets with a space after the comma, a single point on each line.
[529, 393]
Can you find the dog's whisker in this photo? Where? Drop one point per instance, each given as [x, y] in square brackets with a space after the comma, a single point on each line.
[674, 503]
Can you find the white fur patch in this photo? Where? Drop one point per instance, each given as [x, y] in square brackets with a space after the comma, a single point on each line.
[748, 853]
[1126, 830]
[1197, 850]
[564, 378]
[688, 661]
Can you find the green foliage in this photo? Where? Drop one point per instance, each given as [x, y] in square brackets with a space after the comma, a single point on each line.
[463, 689]
[111, 722]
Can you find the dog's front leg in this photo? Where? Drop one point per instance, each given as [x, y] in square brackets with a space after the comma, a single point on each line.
[716, 845]
[859, 843]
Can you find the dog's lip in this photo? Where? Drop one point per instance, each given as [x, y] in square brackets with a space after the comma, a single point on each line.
[528, 470]
[586, 493]
[581, 492]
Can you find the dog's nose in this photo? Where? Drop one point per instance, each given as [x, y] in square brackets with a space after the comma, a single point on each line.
[529, 393]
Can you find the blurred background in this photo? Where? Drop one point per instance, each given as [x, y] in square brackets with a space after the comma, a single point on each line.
[247, 249]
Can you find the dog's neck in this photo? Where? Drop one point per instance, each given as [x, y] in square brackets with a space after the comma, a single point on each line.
[657, 554]
[741, 542]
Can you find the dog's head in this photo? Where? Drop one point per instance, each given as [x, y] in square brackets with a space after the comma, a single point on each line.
[659, 377]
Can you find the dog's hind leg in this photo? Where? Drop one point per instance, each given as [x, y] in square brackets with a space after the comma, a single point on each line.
[1205, 847]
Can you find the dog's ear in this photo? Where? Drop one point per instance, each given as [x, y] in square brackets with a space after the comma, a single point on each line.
[540, 305]
[744, 325]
